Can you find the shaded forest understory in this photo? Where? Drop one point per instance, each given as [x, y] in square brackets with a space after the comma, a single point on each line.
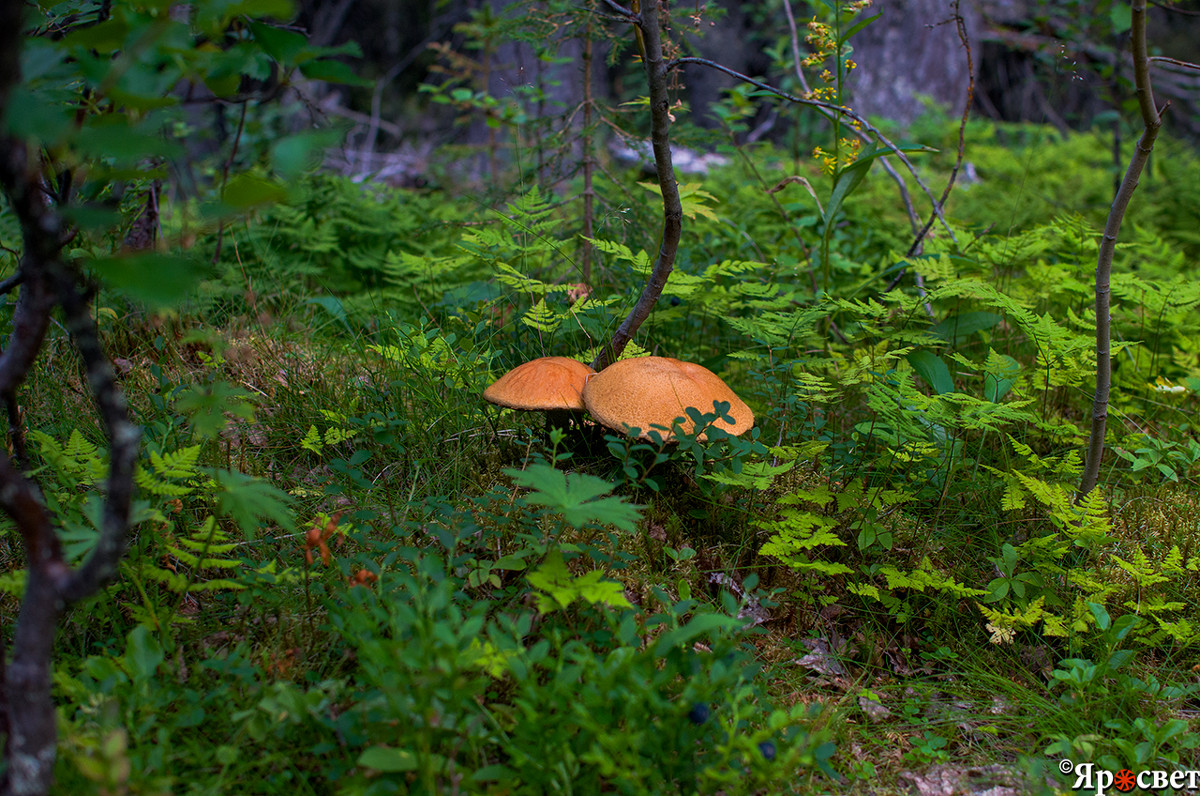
[344, 572]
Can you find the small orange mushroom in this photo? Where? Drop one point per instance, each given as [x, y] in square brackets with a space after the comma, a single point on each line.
[548, 384]
[541, 384]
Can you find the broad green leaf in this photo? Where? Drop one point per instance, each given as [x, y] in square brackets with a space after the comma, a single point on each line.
[932, 369]
[30, 116]
[246, 499]
[207, 405]
[493, 773]
[332, 72]
[143, 653]
[282, 45]
[964, 324]
[999, 383]
[159, 280]
[561, 589]
[1121, 18]
[113, 137]
[1101, 614]
[388, 759]
[862, 23]
[293, 155]
[848, 179]
[245, 191]
[577, 497]
[698, 626]
[104, 37]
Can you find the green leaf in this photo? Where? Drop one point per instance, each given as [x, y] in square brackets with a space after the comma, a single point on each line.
[296, 154]
[698, 626]
[92, 217]
[1121, 17]
[388, 759]
[859, 26]
[30, 116]
[282, 45]
[245, 191]
[105, 37]
[998, 385]
[207, 405]
[1101, 614]
[332, 72]
[245, 499]
[1124, 625]
[848, 179]
[494, 773]
[577, 497]
[964, 324]
[932, 369]
[158, 280]
[560, 589]
[143, 654]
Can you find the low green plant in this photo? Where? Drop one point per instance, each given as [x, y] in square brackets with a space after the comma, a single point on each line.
[1100, 692]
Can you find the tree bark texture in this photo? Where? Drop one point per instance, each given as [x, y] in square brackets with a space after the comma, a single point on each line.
[27, 718]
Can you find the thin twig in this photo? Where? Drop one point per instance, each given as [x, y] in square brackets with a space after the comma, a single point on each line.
[225, 181]
[787, 9]
[829, 106]
[1162, 59]
[962, 133]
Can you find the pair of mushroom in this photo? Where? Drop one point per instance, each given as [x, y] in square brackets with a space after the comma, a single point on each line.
[632, 393]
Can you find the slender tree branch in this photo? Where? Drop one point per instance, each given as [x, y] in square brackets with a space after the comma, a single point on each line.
[27, 705]
[961, 25]
[628, 14]
[828, 106]
[660, 126]
[787, 9]
[124, 438]
[1152, 120]
[11, 282]
[1162, 59]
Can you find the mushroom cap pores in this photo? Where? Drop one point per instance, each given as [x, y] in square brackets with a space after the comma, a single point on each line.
[647, 391]
[543, 383]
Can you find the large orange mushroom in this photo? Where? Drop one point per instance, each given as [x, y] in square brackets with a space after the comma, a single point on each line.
[653, 391]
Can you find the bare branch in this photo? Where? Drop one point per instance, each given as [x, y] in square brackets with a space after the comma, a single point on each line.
[629, 15]
[1162, 59]
[962, 134]
[787, 9]
[11, 282]
[829, 106]
[123, 435]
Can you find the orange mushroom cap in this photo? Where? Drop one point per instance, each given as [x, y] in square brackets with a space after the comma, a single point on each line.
[648, 391]
[541, 384]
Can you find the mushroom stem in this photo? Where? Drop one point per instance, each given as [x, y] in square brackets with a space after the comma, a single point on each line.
[558, 418]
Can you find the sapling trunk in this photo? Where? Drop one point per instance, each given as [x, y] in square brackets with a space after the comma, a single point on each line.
[660, 126]
[46, 281]
[1152, 121]
[589, 164]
